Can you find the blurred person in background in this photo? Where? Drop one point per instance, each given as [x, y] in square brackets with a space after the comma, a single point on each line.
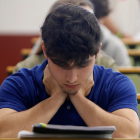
[111, 44]
[124, 18]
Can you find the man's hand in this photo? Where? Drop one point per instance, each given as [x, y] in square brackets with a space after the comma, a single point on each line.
[50, 84]
[86, 88]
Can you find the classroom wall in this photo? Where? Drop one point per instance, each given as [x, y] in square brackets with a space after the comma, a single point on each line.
[20, 20]
[22, 16]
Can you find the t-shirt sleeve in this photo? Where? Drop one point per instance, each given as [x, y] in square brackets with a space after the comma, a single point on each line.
[123, 94]
[14, 92]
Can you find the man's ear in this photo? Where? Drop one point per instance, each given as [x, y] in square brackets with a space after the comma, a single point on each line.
[99, 50]
[44, 50]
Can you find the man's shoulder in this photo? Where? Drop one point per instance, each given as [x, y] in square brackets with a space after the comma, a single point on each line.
[107, 74]
[112, 81]
[110, 84]
[101, 69]
[25, 76]
[24, 88]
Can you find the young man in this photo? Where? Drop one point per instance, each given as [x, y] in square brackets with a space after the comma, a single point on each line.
[68, 88]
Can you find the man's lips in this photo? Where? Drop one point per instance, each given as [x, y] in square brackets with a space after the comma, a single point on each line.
[71, 86]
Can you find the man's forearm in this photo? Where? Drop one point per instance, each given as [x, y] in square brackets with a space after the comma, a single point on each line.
[93, 115]
[12, 123]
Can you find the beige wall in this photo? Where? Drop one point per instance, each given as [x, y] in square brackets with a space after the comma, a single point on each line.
[22, 16]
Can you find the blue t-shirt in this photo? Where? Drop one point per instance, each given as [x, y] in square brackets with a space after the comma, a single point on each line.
[111, 91]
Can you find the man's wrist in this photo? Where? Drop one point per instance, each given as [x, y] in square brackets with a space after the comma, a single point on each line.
[59, 96]
[75, 96]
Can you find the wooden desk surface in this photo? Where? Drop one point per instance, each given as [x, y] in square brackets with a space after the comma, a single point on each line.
[25, 51]
[10, 68]
[130, 70]
[128, 41]
[138, 96]
[124, 70]
[34, 40]
[133, 52]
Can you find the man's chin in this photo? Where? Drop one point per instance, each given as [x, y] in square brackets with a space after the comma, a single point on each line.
[70, 93]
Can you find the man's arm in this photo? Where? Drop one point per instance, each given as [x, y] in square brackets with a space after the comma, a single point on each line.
[125, 120]
[11, 121]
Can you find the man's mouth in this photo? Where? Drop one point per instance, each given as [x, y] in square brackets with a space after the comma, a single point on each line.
[71, 86]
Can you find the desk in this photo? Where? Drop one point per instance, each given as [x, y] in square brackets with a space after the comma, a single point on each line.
[124, 70]
[25, 52]
[9, 70]
[130, 42]
[34, 40]
[138, 97]
[135, 53]
[129, 70]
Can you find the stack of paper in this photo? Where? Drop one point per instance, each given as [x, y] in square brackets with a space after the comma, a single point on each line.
[63, 131]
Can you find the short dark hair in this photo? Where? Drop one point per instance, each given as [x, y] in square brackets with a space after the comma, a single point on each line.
[101, 8]
[70, 34]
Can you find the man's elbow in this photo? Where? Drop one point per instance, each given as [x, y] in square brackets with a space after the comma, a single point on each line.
[131, 133]
[7, 134]
[6, 131]
[136, 131]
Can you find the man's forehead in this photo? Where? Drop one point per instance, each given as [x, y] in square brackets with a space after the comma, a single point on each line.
[88, 60]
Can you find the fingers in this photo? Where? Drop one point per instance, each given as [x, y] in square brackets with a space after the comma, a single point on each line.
[91, 76]
[89, 85]
[47, 75]
[49, 82]
[47, 71]
[86, 88]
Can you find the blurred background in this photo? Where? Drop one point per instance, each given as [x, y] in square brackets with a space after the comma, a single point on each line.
[20, 20]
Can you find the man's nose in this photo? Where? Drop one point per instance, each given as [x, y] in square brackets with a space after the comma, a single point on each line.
[71, 76]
